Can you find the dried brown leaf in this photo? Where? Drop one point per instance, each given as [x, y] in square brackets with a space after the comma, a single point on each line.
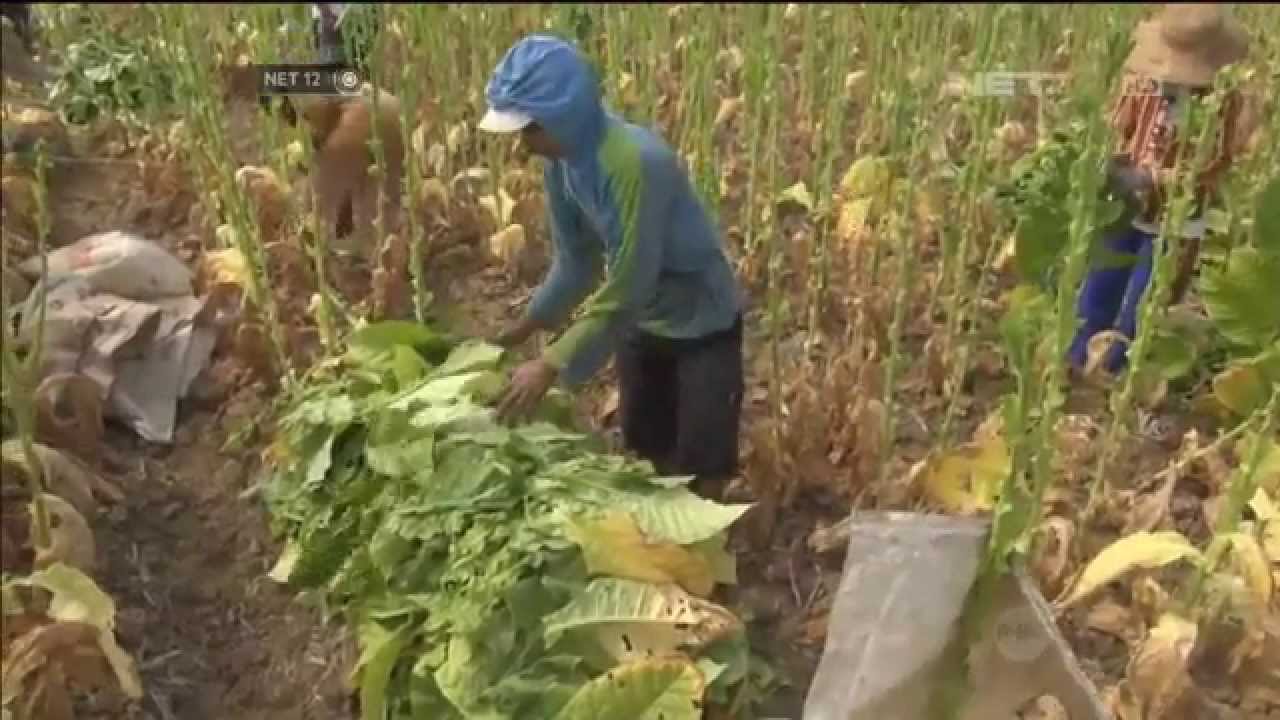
[1116, 620]
[1054, 553]
[39, 665]
[62, 475]
[1158, 674]
[1150, 511]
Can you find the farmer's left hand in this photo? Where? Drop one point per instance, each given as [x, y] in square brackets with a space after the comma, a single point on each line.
[529, 384]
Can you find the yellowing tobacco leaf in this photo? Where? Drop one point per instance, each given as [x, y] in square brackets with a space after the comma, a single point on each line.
[1253, 566]
[668, 689]
[625, 615]
[966, 479]
[851, 224]
[1262, 505]
[223, 267]
[70, 539]
[1268, 477]
[1138, 551]
[629, 642]
[797, 194]
[1241, 387]
[868, 176]
[614, 545]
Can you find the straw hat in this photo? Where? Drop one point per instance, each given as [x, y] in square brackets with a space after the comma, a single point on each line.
[1187, 43]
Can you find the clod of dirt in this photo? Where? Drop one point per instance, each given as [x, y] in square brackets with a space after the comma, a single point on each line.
[69, 412]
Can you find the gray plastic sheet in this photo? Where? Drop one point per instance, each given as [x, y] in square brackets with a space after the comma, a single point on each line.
[904, 585]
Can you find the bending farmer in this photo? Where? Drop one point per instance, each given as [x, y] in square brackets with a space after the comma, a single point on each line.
[619, 200]
[1175, 58]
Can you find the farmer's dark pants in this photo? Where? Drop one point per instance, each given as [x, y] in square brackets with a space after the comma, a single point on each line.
[680, 402]
[352, 43]
[1112, 294]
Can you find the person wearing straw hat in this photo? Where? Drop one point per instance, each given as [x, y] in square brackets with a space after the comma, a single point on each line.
[1175, 58]
[669, 309]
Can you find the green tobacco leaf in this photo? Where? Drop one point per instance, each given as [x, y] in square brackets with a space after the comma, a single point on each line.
[732, 656]
[1040, 238]
[321, 459]
[471, 356]
[1266, 223]
[407, 365]
[1171, 353]
[332, 410]
[682, 517]
[449, 389]
[1023, 324]
[644, 690]
[1242, 299]
[380, 648]
[390, 333]
[397, 448]
[413, 508]
[462, 417]
[630, 617]
[465, 677]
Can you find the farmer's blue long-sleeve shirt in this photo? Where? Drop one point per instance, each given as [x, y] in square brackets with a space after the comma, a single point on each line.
[618, 200]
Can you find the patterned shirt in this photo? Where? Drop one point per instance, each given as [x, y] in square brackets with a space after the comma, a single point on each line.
[1148, 118]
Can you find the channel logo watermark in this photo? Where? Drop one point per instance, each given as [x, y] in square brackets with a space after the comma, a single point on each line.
[1005, 83]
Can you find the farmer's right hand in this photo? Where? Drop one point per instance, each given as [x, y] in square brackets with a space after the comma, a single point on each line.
[515, 334]
[509, 338]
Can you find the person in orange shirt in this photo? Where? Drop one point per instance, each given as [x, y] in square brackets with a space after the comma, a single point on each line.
[1175, 58]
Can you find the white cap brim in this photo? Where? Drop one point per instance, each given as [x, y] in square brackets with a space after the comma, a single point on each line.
[497, 121]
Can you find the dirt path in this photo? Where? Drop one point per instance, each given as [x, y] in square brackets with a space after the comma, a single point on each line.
[187, 559]
[186, 555]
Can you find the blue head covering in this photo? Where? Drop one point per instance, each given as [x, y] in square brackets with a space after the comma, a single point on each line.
[548, 80]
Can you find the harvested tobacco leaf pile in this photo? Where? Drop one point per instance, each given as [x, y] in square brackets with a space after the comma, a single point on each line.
[493, 571]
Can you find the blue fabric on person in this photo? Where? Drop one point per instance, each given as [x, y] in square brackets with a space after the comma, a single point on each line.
[1112, 295]
[619, 200]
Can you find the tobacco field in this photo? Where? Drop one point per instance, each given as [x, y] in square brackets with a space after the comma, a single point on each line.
[341, 529]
